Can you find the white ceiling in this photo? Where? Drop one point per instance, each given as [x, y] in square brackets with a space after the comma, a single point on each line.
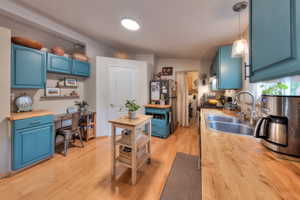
[169, 28]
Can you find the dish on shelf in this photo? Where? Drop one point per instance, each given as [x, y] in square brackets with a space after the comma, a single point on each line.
[58, 51]
[81, 57]
[27, 42]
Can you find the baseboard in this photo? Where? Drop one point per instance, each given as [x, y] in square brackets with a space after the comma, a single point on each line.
[5, 175]
[102, 137]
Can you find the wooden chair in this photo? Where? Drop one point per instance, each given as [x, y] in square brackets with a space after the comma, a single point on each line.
[71, 133]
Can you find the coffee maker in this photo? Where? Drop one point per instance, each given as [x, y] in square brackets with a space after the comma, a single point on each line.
[279, 127]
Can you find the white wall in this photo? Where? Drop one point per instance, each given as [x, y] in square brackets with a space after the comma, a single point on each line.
[5, 50]
[179, 65]
[150, 59]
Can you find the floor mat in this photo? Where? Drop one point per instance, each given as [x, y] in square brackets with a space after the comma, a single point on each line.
[184, 181]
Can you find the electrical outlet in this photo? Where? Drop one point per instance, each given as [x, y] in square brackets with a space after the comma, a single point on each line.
[12, 96]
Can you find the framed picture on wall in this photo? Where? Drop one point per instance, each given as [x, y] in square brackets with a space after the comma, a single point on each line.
[167, 71]
[52, 92]
[70, 82]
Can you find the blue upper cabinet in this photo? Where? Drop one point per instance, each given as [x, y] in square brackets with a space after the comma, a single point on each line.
[28, 67]
[214, 85]
[59, 64]
[229, 70]
[81, 68]
[275, 39]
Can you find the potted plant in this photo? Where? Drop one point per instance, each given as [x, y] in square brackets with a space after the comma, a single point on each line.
[276, 89]
[132, 108]
[82, 105]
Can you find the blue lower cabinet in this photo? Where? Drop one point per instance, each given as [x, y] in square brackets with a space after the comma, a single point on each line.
[160, 129]
[160, 121]
[80, 68]
[32, 141]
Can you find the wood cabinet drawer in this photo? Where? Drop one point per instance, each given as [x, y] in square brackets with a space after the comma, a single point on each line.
[32, 122]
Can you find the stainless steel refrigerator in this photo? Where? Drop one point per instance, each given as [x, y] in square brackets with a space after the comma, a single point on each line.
[164, 92]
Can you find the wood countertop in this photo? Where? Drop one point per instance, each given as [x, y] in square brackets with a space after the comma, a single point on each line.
[124, 120]
[25, 115]
[236, 167]
[157, 106]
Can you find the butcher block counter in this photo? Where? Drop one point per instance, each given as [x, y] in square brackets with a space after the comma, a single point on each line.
[237, 167]
[26, 115]
[157, 106]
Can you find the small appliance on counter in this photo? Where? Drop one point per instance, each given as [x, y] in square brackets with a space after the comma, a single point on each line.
[212, 101]
[24, 103]
[279, 127]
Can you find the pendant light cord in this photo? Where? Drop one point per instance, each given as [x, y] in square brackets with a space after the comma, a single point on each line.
[240, 25]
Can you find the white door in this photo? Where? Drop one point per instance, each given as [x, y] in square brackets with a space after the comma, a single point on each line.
[121, 87]
[119, 80]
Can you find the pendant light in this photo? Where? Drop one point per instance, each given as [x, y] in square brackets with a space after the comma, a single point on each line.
[240, 46]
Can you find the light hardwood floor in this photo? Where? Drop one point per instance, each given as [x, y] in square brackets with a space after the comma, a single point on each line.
[85, 173]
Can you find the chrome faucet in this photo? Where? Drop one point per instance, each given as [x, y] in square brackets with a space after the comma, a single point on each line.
[253, 111]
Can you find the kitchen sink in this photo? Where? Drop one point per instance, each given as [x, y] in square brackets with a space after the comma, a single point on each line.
[228, 124]
[222, 118]
[231, 127]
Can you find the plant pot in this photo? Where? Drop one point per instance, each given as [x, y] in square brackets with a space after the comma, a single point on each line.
[132, 114]
[83, 109]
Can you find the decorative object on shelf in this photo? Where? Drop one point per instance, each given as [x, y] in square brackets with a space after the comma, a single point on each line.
[80, 56]
[82, 105]
[27, 42]
[167, 71]
[58, 51]
[74, 93]
[24, 103]
[157, 76]
[121, 55]
[240, 47]
[60, 83]
[131, 107]
[52, 92]
[70, 82]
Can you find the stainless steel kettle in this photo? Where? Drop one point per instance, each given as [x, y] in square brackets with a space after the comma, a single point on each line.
[273, 129]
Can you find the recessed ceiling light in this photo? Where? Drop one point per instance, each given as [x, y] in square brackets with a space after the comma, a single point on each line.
[130, 24]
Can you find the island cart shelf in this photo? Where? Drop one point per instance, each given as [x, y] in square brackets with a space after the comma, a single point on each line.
[133, 148]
